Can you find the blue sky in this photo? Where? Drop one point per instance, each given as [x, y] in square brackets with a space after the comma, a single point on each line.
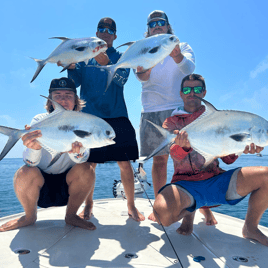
[229, 39]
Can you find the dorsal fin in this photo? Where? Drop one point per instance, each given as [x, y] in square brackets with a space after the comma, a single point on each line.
[58, 107]
[61, 38]
[127, 44]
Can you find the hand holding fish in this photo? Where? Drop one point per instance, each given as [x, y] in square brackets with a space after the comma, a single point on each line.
[102, 59]
[71, 67]
[182, 140]
[76, 147]
[252, 149]
[29, 139]
[176, 54]
[143, 75]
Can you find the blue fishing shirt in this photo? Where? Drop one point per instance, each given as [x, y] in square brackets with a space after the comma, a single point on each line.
[93, 81]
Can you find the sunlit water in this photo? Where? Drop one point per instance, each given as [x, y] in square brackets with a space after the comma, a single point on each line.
[105, 176]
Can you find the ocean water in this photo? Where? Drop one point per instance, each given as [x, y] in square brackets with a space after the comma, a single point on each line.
[105, 176]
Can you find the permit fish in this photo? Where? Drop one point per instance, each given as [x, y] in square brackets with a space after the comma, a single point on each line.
[72, 51]
[146, 53]
[218, 133]
[61, 128]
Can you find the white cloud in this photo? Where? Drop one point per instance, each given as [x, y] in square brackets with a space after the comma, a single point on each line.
[261, 67]
[259, 99]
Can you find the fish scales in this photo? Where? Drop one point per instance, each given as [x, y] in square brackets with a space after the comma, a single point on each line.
[61, 128]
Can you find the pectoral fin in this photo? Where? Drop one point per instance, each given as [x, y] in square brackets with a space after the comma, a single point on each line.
[82, 134]
[240, 137]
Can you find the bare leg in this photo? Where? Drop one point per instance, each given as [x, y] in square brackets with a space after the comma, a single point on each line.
[254, 180]
[80, 180]
[187, 225]
[159, 176]
[87, 211]
[209, 217]
[27, 184]
[170, 205]
[127, 178]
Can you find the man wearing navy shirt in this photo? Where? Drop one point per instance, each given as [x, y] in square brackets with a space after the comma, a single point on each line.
[109, 105]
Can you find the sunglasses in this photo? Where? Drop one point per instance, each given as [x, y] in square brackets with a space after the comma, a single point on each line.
[187, 90]
[103, 30]
[153, 24]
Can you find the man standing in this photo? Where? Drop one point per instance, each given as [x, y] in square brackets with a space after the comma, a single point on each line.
[193, 186]
[160, 95]
[66, 182]
[110, 106]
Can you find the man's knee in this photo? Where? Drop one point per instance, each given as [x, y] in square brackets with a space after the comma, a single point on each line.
[26, 175]
[84, 171]
[161, 211]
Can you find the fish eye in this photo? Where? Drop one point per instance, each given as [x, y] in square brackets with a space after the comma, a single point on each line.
[171, 38]
[108, 132]
[99, 43]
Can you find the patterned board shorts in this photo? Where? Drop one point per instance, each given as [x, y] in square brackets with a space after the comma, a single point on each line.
[150, 137]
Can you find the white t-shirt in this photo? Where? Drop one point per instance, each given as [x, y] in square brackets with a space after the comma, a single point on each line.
[162, 90]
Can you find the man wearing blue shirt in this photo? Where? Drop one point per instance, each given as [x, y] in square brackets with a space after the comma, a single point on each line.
[109, 105]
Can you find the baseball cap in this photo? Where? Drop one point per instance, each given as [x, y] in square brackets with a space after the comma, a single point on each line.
[157, 14]
[104, 24]
[63, 83]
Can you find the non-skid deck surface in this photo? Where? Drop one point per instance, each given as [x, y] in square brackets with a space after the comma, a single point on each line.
[52, 243]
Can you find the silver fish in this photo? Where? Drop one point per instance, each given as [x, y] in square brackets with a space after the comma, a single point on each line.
[61, 128]
[146, 53]
[72, 51]
[218, 133]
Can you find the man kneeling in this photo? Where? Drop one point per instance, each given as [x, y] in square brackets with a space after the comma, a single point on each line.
[191, 188]
[66, 182]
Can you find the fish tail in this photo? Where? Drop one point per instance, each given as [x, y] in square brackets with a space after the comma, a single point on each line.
[111, 69]
[14, 135]
[41, 64]
[168, 140]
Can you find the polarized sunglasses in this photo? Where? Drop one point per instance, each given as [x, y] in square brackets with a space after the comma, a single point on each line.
[153, 24]
[103, 30]
[187, 90]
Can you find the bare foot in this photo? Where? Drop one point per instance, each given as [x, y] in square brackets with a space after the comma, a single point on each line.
[152, 217]
[209, 217]
[187, 225]
[256, 234]
[86, 214]
[17, 223]
[75, 220]
[135, 214]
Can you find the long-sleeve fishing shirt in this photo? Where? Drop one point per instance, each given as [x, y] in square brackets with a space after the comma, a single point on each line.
[93, 81]
[42, 158]
[160, 91]
[187, 165]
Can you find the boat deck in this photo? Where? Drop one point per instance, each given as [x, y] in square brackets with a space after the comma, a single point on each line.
[52, 243]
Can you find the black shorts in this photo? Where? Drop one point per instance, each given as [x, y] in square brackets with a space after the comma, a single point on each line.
[125, 148]
[54, 192]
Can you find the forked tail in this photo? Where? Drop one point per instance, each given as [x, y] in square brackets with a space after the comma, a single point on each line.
[14, 135]
[41, 64]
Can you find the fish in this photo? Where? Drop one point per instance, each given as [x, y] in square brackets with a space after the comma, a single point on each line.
[218, 133]
[72, 51]
[60, 129]
[146, 53]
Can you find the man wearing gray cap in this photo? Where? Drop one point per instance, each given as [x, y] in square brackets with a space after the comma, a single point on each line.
[66, 182]
[160, 87]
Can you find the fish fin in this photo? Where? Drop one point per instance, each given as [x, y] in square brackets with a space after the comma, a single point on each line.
[240, 137]
[66, 67]
[111, 69]
[154, 50]
[14, 135]
[168, 137]
[40, 65]
[81, 134]
[127, 44]
[208, 104]
[58, 107]
[86, 61]
[80, 49]
[55, 159]
[61, 38]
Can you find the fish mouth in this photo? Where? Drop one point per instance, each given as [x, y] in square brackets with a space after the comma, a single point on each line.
[99, 47]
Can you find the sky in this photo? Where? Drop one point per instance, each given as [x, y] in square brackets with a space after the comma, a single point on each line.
[229, 39]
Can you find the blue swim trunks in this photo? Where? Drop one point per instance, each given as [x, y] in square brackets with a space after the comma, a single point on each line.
[209, 192]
